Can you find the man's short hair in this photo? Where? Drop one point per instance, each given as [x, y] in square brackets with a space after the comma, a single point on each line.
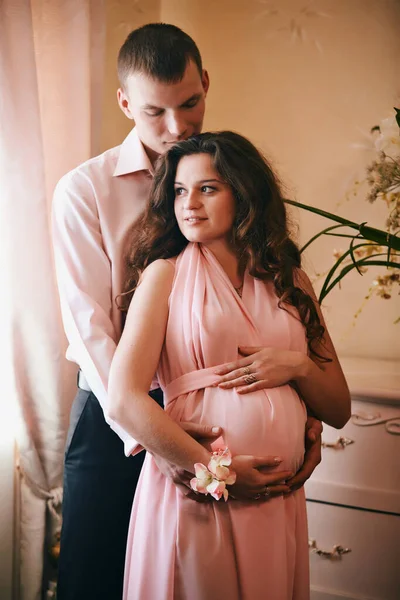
[158, 50]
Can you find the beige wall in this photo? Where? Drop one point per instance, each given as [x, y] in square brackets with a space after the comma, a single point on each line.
[304, 101]
[122, 16]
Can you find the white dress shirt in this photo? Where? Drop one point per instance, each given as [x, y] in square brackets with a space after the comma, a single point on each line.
[93, 207]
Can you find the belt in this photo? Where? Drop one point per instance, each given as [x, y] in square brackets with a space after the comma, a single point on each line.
[190, 382]
[82, 382]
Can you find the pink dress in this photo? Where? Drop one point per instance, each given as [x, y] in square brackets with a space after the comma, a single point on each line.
[179, 549]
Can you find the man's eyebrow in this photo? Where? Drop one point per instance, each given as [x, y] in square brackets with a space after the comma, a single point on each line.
[152, 107]
[194, 97]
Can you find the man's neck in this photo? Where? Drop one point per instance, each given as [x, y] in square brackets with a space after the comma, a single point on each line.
[151, 154]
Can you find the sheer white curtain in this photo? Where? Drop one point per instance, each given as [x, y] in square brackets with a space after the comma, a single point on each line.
[51, 58]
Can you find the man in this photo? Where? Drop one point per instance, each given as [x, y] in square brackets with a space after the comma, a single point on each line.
[163, 89]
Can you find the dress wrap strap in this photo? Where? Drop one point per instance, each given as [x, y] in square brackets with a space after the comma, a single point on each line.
[190, 382]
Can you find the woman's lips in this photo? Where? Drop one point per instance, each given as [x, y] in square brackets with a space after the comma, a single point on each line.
[195, 220]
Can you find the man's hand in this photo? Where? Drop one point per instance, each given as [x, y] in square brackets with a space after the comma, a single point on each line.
[314, 430]
[312, 456]
[180, 477]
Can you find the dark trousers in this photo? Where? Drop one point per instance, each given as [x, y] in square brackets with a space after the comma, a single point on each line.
[99, 486]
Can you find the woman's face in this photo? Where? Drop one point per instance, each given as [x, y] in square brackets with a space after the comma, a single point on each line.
[205, 206]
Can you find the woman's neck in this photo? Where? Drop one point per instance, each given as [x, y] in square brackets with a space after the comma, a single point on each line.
[228, 260]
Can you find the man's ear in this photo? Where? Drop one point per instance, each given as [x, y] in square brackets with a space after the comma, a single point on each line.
[123, 102]
[205, 81]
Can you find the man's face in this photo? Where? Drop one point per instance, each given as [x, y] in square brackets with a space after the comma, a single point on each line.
[165, 113]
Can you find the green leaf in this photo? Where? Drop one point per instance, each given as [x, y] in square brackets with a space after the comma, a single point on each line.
[343, 235]
[389, 250]
[324, 231]
[363, 263]
[381, 237]
[352, 252]
[353, 258]
[336, 265]
[397, 115]
[322, 213]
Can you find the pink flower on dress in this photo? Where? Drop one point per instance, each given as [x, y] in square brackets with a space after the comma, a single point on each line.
[214, 479]
[202, 480]
[219, 466]
[217, 489]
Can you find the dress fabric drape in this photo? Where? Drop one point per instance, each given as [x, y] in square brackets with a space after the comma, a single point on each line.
[179, 549]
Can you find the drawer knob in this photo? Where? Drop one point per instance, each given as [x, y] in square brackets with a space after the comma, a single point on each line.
[340, 443]
[335, 554]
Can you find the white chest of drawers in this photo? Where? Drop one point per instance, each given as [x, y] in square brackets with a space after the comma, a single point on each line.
[353, 501]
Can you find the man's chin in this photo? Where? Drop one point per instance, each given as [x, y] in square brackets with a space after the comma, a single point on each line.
[168, 145]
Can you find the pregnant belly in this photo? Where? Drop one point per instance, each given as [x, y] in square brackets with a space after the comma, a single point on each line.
[263, 423]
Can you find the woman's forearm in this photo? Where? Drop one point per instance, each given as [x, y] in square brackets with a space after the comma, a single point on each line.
[152, 427]
[328, 398]
[134, 364]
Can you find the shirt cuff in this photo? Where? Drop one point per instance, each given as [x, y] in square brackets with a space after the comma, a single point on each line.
[132, 448]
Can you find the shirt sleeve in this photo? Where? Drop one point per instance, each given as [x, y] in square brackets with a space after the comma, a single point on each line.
[83, 273]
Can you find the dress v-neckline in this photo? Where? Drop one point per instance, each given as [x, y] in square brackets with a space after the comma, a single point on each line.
[207, 252]
[241, 300]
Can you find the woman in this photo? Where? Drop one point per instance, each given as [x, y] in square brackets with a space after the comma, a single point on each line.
[218, 270]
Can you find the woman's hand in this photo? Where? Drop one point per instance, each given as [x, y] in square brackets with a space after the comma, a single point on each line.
[255, 480]
[180, 477]
[262, 368]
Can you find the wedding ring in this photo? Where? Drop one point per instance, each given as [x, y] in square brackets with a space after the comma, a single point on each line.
[267, 492]
[257, 496]
[247, 371]
[250, 378]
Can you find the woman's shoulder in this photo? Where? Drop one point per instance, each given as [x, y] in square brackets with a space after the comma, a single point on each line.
[162, 267]
[171, 261]
[302, 280]
[152, 291]
[158, 274]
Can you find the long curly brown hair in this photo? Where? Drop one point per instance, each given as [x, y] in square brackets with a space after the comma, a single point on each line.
[260, 230]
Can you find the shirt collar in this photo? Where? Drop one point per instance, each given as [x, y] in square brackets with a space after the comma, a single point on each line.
[132, 156]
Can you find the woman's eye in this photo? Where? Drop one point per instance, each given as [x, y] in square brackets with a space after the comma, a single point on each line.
[207, 189]
[178, 191]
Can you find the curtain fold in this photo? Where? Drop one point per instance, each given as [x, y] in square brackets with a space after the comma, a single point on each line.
[51, 57]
